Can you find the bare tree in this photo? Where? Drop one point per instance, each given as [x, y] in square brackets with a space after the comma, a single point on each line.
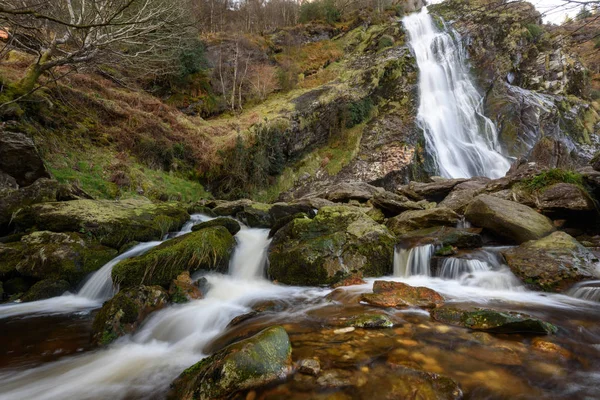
[81, 32]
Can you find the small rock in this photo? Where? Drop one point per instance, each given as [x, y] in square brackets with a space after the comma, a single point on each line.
[309, 366]
[344, 330]
[398, 294]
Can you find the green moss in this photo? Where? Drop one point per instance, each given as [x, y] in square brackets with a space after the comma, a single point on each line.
[207, 249]
[550, 177]
[384, 42]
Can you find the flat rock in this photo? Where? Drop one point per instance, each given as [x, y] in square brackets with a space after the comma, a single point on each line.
[422, 219]
[398, 294]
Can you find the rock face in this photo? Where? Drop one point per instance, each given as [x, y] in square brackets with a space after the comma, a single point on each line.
[125, 312]
[208, 249]
[228, 223]
[493, 321]
[415, 220]
[20, 159]
[262, 359]
[508, 219]
[114, 223]
[553, 263]
[339, 241]
[52, 256]
[398, 294]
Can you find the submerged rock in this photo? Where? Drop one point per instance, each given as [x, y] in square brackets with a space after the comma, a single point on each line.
[339, 241]
[228, 223]
[262, 359]
[422, 219]
[125, 312]
[46, 289]
[398, 294]
[370, 321]
[114, 223]
[493, 321]
[208, 249]
[508, 219]
[553, 263]
[309, 366]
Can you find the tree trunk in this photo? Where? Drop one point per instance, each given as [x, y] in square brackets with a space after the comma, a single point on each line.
[27, 83]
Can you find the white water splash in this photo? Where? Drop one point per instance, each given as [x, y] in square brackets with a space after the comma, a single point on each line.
[250, 254]
[415, 261]
[454, 268]
[463, 142]
[589, 290]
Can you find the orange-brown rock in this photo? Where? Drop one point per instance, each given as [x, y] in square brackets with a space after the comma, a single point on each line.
[398, 294]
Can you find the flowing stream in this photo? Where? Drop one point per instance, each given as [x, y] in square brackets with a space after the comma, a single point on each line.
[462, 141]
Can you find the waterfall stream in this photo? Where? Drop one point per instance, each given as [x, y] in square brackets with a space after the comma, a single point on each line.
[462, 141]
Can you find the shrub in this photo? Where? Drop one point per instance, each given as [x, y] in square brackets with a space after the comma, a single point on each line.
[357, 112]
[534, 30]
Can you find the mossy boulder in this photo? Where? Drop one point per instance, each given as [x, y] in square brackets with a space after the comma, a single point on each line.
[114, 223]
[208, 249]
[46, 289]
[422, 219]
[256, 215]
[283, 221]
[508, 219]
[493, 321]
[553, 263]
[339, 241]
[228, 223]
[125, 312]
[399, 295]
[56, 256]
[257, 361]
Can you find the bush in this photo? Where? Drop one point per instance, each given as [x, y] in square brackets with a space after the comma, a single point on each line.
[534, 30]
[324, 10]
[357, 112]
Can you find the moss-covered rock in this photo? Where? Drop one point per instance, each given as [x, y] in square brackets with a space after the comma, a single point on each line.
[208, 249]
[339, 241]
[262, 359]
[228, 223]
[183, 289]
[553, 263]
[124, 313]
[256, 215]
[508, 219]
[398, 294]
[56, 256]
[370, 321]
[283, 221]
[493, 321]
[46, 289]
[422, 219]
[114, 223]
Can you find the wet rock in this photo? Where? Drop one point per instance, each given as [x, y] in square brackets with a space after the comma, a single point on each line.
[394, 204]
[283, 221]
[437, 190]
[346, 191]
[20, 159]
[114, 223]
[508, 219]
[208, 249]
[398, 294]
[355, 279]
[256, 215]
[262, 359]
[183, 289]
[443, 236]
[338, 242]
[46, 289]
[56, 256]
[493, 321]
[370, 321]
[565, 198]
[415, 220]
[553, 263]
[335, 378]
[228, 223]
[309, 366]
[125, 312]
[550, 348]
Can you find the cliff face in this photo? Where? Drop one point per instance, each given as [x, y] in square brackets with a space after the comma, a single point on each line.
[537, 89]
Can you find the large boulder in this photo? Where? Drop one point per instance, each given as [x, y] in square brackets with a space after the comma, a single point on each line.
[442, 236]
[422, 219]
[553, 263]
[492, 321]
[125, 312]
[46, 289]
[257, 361]
[346, 191]
[114, 223]
[399, 294]
[339, 241]
[565, 198]
[228, 223]
[20, 159]
[463, 193]
[56, 256]
[256, 215]
[208, 249]
[508, 219]
[437, 190]
[393, 204]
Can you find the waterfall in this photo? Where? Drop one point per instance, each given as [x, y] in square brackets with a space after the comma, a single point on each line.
[454, 268]
[589, 290]
[250, 255]
[462, 141]
[415, 261]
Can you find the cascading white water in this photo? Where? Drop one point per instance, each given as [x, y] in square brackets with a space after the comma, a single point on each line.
[414, 261]
[589, 290]
[251, 253]
[462, 141]
[454, 268]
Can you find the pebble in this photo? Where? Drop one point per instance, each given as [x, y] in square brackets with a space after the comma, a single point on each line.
[344, 330]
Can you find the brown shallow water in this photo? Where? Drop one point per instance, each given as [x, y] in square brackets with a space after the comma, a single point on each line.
[355, 363]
